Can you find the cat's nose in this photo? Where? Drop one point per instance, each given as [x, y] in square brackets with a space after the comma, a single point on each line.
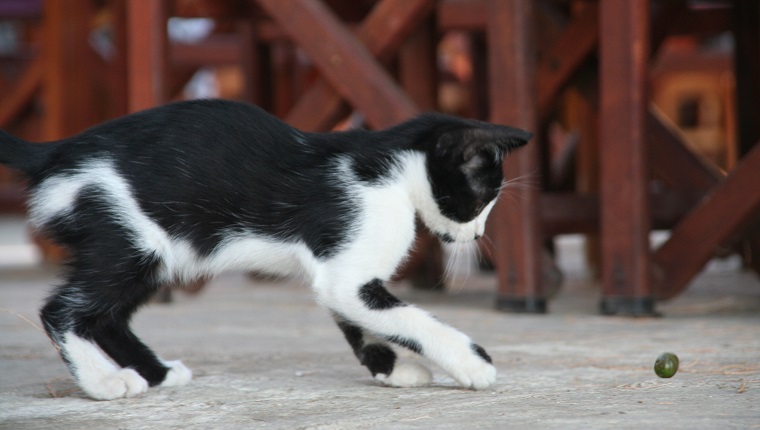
[478, 236]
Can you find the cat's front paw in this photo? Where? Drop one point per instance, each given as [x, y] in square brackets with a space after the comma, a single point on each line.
[473, 369]
[478, 376]
[407, 375]
[123, 383]
[178, 374]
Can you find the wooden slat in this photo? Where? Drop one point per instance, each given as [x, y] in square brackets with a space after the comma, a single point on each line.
[21, 9]
[12, 199]
[215, 9]
[462, 15]
[746, 25]
[318, 109]
[417, 72]
[563, 213]
[22, 92]
[673, 162]
[729, 208]
[343, 61]
[146, 53]
[664, 16]
[417, 66]
[215, 49]
[383, 31]
[515, 224]
[624, 52]
[68, 92]
[578, 40]
[702, 22]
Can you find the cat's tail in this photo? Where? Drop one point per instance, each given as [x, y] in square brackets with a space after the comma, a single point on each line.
[21, 155]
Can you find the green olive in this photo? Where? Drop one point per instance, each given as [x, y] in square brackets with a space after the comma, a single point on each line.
[666, 365]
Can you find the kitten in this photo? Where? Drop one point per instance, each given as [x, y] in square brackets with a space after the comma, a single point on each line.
[192, 189]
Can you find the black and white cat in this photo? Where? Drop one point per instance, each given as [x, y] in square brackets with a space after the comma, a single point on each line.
[192, 189]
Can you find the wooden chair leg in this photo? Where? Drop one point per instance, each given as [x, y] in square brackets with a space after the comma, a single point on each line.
[627, 287]
[515, 224]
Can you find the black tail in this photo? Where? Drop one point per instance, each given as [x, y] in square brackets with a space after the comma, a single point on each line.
[19, 154]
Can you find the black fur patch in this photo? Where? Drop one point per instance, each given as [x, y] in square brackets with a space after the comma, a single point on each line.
[378, 358]
[376, 297]
[445, 237]
[409, 344]
[481, 352]
[353, 334]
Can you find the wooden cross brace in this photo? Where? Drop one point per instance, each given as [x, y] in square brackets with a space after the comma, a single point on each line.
[349, 62]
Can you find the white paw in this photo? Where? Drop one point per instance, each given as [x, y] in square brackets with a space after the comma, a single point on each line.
[122, 383]
[407, 375]
[178, 374]
[475, 373]
[470, 366]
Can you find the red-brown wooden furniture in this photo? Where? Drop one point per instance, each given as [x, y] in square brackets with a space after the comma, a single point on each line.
[377, 57]
[520, 91]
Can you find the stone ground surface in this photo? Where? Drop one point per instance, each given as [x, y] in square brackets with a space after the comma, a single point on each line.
[264, 355]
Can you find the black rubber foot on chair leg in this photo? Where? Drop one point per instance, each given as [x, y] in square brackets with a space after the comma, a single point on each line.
[627, 306]
[525, 305]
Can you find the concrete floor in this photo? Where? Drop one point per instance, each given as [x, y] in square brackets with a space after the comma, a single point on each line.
[264, 355]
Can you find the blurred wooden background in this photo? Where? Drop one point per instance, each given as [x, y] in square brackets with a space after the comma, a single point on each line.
[646, 112]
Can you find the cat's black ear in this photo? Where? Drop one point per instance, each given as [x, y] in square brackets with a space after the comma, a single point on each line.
[488, 141]
[494, 141]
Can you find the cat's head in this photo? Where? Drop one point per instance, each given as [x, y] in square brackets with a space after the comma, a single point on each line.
[464, 167]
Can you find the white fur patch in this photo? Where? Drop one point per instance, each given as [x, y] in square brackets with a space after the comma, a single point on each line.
[178, 374]
[372, 252]
[100, 378]
[407, 375]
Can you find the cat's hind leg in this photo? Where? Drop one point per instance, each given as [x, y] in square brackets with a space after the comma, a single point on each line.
[68, 319]
[369, 311]
[87, 318]
[88, 321]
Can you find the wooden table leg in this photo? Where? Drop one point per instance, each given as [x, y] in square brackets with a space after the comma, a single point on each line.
[68, 92]
[147, 51]
[746, 26]
[625, 224]
[515, 224]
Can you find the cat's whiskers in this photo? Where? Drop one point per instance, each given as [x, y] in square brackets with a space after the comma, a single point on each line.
[459, 258]
[510, 188]
[489, 246]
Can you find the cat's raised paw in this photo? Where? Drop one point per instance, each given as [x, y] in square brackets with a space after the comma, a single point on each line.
[123, 383]
[407, 375]
[178, 374]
